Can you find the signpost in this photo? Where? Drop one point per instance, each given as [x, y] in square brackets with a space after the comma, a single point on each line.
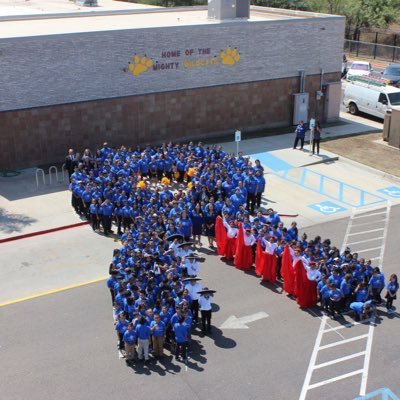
[238, 138]
[312, 127]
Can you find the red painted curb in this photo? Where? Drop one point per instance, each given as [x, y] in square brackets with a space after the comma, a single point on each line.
[27, 235]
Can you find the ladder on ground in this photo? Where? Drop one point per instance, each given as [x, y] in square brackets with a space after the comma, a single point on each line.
[342, 351]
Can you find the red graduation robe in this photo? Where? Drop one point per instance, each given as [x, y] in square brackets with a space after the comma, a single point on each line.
[244, 254]
[220, 236]
[306, 290]
[287, 272]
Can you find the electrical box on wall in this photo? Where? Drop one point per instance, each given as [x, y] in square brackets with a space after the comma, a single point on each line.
[300, 109]
[228, 9]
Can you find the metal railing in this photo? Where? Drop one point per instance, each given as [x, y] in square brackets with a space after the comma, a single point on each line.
[372, 50]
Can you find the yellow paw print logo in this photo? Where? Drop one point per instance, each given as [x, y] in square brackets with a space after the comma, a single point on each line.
[140, 65]
[229, 56]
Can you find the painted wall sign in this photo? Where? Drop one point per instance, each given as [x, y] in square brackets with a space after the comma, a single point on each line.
[183, 59]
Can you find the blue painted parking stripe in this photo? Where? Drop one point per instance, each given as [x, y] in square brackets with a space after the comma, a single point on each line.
[272, 162]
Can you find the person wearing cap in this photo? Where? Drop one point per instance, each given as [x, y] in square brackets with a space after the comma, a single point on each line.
[205, 310]
[193, 287]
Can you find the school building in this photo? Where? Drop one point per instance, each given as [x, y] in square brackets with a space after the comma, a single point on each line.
[150, 75]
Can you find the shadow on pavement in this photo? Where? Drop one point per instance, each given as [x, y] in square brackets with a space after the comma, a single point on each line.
[10, 223]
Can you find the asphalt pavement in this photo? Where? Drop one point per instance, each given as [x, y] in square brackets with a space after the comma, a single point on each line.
[63, 345]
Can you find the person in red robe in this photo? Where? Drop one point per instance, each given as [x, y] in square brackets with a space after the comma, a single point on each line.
[260, 259]
[231, 239]
[220, 236]
[269, 271]
[287, 271]
[244, 254]
[306, 290]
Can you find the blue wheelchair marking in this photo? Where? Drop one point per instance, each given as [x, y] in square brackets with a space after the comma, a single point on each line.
[391, 191]
[272, 162]
[327, 208]
[364, 197]
[380, 394]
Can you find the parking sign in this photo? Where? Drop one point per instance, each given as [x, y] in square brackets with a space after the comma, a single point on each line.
[238, 136]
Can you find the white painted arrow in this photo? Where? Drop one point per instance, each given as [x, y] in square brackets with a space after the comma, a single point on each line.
[240, 323]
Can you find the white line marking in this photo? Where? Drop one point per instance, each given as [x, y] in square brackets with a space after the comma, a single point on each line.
[362, 232]
[349, 325]
[314, 354]
[327, 323]
[369, 215]
[336, 378]
[370, 249]
[364, 378]
[374, 258]
[338, 360]
[366, 240]
[370, 223]
[349, 225]
[340, 342]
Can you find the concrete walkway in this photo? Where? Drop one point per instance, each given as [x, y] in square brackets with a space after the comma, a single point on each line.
[24, 208]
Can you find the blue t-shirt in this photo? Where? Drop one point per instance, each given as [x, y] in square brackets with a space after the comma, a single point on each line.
[181, 332]
[130, 337]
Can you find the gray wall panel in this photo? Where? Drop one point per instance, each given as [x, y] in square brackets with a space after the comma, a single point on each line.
[59, 69]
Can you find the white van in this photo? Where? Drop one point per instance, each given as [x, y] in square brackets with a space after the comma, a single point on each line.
[371, 97]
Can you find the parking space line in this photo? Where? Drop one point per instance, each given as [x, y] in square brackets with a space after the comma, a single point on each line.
[338, 360]
[336, 378]
[349, 325]
[366, 240]
[370, 223]
[369, 215]
[370, 249]
[370, 231]
[34, 296]
[340, 342]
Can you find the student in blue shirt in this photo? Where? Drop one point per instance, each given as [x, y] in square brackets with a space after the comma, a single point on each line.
[392, 288]
[362, 309]
[181, 339]
[260, 186]
[108, 209]
[94, 221]
[376, 285]
[158, 330]
[130, 338]
[143, 332]
[121, 326]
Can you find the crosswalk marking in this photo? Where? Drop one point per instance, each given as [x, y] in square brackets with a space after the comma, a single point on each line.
[326, 328]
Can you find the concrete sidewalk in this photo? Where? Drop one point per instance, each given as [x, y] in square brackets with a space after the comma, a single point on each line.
[24, 208]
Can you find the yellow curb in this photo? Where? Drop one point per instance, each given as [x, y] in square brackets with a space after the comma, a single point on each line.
[33, 296]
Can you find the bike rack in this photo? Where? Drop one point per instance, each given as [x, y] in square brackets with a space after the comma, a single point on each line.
[51, 169]
[63, 172]
[40, 170]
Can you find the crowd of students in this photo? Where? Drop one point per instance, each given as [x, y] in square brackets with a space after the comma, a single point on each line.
[163, 200]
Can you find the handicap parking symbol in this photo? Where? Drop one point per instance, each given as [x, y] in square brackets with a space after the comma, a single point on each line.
[327, 208]
[391, 191]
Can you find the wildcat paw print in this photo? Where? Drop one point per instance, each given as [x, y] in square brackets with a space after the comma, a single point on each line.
[140, 65]
[229, 56]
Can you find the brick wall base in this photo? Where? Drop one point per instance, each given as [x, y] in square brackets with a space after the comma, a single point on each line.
[31, 137]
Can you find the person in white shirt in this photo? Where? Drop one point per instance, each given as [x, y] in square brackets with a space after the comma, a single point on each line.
[191, 265]
[312, 272]
[206, 309]
[194, 287]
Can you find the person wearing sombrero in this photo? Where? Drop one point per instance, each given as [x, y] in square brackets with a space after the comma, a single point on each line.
[191, 264]
[205, 308]
[193, 287]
